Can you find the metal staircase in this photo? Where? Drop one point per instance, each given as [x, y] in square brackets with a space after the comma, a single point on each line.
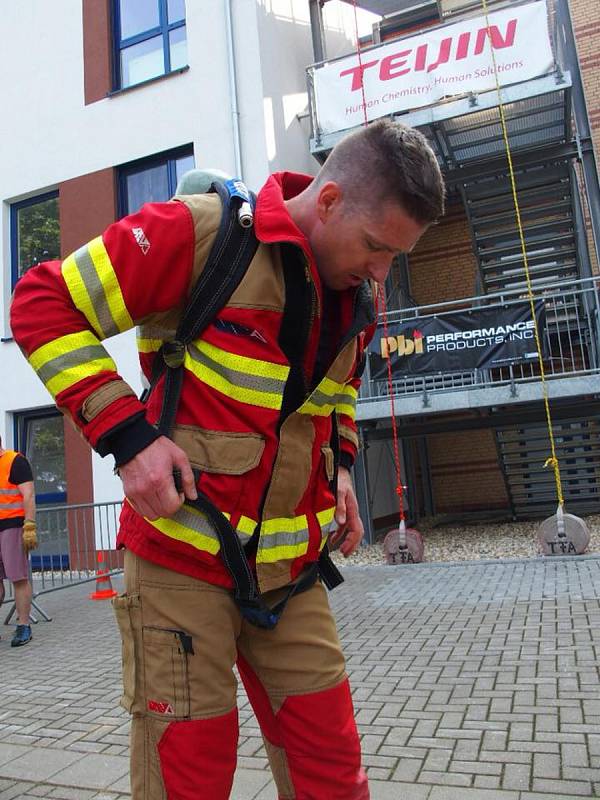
[531, 487]
[547, 216]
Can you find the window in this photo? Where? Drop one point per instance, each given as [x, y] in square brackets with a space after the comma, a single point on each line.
[40, 436]
[153, 179]
[150, 39]
[34, 232]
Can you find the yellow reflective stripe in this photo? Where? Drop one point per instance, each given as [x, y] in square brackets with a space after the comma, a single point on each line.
[325, 519]
[79, 293]
[348, 407]
[221, 384]
[286, 528]
[73, 375]
[330, 395]
[200, 536]
[239, 363]
[281, 553]
[148, 345]
[109, 281]
[61, 346]
[95, 290]
[69, 359]
[246, 525]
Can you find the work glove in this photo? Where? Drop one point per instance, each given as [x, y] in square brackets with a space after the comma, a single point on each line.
[30, 541]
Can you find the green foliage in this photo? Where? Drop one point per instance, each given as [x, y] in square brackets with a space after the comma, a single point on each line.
[39, 234]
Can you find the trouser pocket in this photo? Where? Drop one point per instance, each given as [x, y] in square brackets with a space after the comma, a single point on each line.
[124, 606]
[166, 678]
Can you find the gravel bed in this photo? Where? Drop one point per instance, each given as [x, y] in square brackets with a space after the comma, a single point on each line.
[472, 542]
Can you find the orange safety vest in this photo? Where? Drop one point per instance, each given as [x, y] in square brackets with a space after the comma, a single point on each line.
[11, 499]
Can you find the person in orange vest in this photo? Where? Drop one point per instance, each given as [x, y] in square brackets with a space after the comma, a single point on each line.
[17, 535]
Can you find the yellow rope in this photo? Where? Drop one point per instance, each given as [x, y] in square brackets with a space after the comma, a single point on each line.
[553, 460]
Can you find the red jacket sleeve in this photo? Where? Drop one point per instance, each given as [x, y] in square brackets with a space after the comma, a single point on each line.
[61, 312]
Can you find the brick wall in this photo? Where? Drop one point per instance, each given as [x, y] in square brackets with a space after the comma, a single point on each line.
[442, 265]
[585, 15]
[465, 472]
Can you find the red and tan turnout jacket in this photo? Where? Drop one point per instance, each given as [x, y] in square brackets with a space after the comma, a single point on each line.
[261, 386]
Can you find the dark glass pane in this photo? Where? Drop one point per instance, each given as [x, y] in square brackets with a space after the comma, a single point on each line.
[138, 16]
[145, 186]
[182, 165]
[38, 234]
[142, 61]
[176, 9]
[178, 48]
[45, 450]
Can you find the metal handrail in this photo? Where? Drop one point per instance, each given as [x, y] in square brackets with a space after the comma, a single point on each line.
[571, 336]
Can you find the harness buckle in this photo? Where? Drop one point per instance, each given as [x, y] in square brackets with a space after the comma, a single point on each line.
[257, 613]
[173, 353]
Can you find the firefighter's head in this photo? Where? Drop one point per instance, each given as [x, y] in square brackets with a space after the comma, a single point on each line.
[374, 197]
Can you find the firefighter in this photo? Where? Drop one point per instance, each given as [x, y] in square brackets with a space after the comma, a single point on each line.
[265, 388]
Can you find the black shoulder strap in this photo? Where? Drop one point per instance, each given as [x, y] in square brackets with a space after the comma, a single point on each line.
[232, 251]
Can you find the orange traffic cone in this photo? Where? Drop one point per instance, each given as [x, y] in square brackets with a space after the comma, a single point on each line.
[104, 589]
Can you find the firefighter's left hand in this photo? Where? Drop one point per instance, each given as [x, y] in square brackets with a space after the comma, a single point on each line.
[350, 527]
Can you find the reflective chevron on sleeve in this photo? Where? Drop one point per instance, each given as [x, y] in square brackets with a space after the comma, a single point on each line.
[330, 396]
[94, 289]
[68, 359]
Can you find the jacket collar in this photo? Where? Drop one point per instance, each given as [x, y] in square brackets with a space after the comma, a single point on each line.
[272, 221]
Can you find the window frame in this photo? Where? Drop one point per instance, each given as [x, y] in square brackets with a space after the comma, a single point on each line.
[139, 165]
[21, 421]
[164, 28]
[14, 228]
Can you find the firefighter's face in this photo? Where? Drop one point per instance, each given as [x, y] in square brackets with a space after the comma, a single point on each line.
[351, 243]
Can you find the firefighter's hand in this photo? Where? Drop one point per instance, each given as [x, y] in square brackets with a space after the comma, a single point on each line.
[350, 529]
[148, 480]
[30, 541]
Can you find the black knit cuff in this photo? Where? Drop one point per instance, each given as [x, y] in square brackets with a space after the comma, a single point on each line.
[346, 460]
[128, 439]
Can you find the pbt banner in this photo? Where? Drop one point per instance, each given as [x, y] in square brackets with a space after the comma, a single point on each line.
[421, 70]
[457, 342]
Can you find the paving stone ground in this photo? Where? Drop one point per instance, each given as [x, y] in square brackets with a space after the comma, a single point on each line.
[472, 681]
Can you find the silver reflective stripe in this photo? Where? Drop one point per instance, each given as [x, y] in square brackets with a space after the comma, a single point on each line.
[283, 539]
[10, 506]
[241, 379]
[11, 491]
[95, 290]
[195, 522]
[83, 355]
[319, 398]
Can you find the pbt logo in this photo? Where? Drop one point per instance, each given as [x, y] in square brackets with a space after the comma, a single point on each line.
[402, 345]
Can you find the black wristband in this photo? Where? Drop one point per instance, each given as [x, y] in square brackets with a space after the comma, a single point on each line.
[129, 439]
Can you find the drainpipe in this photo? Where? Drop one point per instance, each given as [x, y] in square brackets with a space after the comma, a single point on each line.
[233, 91]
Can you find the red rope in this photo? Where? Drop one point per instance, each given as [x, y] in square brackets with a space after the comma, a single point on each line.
[381, 292]
[399, 486]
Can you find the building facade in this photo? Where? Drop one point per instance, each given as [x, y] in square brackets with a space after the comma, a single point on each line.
[105, 104]
[474, 438]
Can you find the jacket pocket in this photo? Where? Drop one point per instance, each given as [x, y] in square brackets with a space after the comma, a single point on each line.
[123, 605]
[166, 679]
[220, 451]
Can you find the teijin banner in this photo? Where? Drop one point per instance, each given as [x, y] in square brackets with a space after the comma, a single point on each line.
[421, 70]
[455, 342]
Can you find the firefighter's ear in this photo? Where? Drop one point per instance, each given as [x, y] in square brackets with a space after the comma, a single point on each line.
[329, 199]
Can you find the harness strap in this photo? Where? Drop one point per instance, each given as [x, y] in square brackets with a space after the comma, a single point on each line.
[233, 249]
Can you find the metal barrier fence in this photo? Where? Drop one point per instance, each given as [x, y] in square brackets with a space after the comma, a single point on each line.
[70, 540]
[571, 337]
